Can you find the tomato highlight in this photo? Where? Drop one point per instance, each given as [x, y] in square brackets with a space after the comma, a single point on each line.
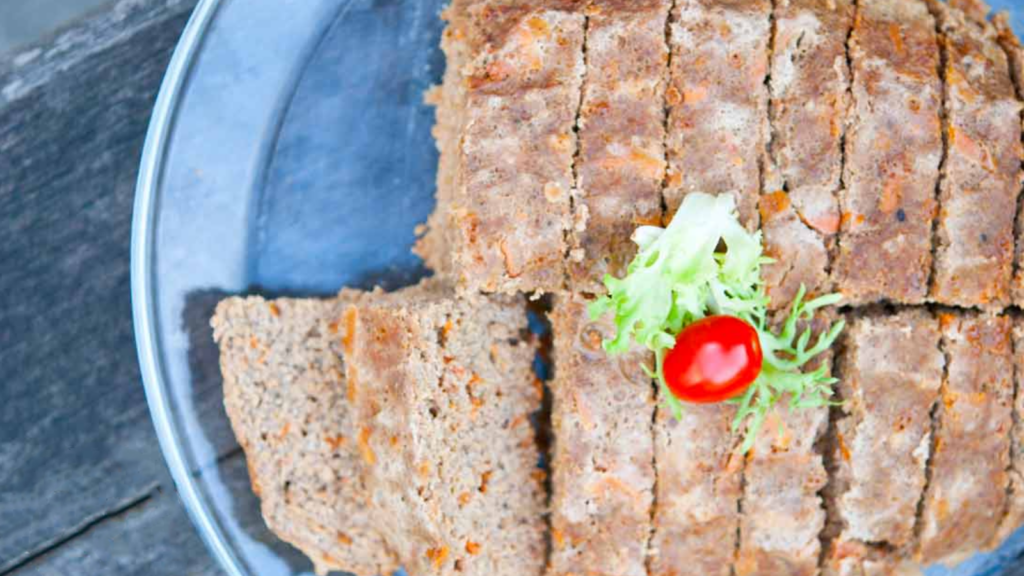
[714, 359]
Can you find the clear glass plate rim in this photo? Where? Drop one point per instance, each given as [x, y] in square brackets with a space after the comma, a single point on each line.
[143, 287]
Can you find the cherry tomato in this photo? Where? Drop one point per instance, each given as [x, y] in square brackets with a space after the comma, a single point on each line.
[714, 359]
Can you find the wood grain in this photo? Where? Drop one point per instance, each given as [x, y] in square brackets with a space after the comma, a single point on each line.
[76, 444]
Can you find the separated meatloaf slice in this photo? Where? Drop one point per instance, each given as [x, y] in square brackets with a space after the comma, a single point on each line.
[444, 392]
[809, 81]
[781, 512]
[285, 394]
[718, 101]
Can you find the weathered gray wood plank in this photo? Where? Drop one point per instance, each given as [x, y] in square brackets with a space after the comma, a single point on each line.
[76, 441]
[155, 538]
[32, 66]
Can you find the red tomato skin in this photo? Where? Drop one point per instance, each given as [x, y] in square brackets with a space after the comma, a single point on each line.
[714, 359]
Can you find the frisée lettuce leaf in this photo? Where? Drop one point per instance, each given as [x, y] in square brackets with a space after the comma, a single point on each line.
[706, 263]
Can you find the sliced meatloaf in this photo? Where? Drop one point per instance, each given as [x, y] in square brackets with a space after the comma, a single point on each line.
[893, 150]
[1015, 493]
[966, 496]
[286, 396]
[718, 115]
[699, 468]
[809, 82]
[1015, 56]
[603, 458]
[981, 175]
[506, 114]
[891, 370]
[621, 160]
[781, 511]
[443, 391]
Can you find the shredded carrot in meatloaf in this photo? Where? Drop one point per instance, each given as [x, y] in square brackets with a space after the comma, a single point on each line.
[364, 446]
[351, 386]
[335, 442]
[350, 330]
[437, 555]
[773, 204]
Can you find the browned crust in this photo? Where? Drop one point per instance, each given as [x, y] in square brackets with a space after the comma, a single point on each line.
[285, 395]
[893, 150]
[890, 373]
[621, 160]
[718, 116]
[603, 464]
[966, 495]
[809, 84]
[981, 174]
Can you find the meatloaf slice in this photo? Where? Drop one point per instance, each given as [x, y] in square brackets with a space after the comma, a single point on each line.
[505, 131]
[809, 84]
[718, 116]
[966, 496]
[621, 161]
[1015, 55]
[893, 150]
[285, 394]
[1014, 517]
[443, 393]
[890, 372]
[602, 468]
[981, 176]
[781, 512]
[696, 516]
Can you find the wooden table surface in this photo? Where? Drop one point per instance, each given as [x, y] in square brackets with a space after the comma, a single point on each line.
[83, 485]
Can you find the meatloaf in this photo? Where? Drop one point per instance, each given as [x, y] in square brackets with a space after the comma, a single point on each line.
[876, 144]
[698, 491]
[781, 510]
[893, 150]
[970, 455]
[981, 175]
[809, 83]
[506, 113]
[603, 459]
[718, 102]
[620, 165]
[286, 396]
[891, 370]
[443, 392]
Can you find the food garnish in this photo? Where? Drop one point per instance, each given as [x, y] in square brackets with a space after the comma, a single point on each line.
[705, 263]
[714, 359]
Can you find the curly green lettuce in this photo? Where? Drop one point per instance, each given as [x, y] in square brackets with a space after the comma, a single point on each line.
[705, 263]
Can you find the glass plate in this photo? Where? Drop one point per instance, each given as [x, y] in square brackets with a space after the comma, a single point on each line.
[290, 154]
